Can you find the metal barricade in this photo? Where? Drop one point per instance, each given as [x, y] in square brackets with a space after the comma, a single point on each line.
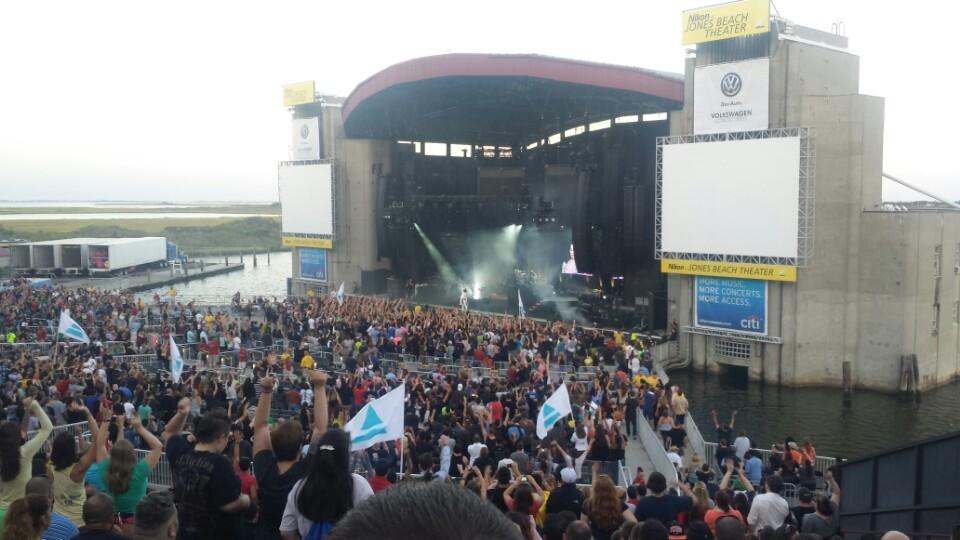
[609, 468]
[587, 370]
[115, 347]
[820, 464]
[790, 494]
[27, 346]
[137, 358]
[625, 478]
[697, 443]
[79, 427]
[161, 477]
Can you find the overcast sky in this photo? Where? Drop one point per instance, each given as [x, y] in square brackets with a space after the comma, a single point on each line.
[181, 100]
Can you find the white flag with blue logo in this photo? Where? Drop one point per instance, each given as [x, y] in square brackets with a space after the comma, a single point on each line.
[553, 410]
[176, 361]
[340, 294]
[69, 327]
[380, 420]
[520, 309]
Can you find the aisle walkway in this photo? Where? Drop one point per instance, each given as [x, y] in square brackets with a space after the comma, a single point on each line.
[636, 456]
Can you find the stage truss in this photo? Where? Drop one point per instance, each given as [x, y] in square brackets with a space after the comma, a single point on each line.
[806, 214]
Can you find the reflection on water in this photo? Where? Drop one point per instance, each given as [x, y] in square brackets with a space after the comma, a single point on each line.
[869, 422]
[268, 280]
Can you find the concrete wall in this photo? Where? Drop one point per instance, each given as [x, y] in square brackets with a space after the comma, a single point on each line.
[357, 166]
[868, 296]
[849, 146]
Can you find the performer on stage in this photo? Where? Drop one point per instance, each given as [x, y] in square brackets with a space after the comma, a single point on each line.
[464, 297]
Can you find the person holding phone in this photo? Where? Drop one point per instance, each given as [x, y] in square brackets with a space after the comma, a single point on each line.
[121, 472]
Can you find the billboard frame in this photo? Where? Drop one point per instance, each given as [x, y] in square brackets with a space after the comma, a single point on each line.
[323, 241]
[806, 213]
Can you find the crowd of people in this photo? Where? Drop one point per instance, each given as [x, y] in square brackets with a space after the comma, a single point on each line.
[257, 449]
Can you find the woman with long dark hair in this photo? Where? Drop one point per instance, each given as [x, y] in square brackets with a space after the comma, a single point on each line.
[328, 492]
[68, 469]
[16, 456]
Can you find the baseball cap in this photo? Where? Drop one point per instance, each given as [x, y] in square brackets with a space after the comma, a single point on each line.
[805, 495]
[568, 475]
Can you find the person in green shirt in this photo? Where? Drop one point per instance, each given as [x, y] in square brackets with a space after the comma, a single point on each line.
[145, 411]
[124, 476]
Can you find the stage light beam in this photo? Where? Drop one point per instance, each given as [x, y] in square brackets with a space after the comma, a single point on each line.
[446, 271]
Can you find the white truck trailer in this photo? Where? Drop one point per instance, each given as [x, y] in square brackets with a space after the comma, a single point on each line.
[123, 255]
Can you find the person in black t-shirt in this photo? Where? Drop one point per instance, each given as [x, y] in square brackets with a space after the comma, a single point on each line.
[568, 496]
[724, 431]
[206, 488]
[496, 494]
[659, 504]
[277, 464]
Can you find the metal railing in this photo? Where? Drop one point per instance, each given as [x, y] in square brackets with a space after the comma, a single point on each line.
[625, 478]
[820, 464]
[80, 428]
[653, 446]
[162, 475]
[662, 352]
[697, 442]
[29, 346]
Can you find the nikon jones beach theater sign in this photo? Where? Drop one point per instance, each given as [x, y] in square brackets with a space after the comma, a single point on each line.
[731, 97]
[724, 21]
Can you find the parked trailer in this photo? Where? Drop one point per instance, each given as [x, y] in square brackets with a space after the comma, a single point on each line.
[122, 254]
[44, 257]
[20, 256]
[73, 257]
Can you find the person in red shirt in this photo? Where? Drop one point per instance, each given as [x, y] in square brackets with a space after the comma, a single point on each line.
[360, 393]
[293, 399]
[248, 484]
[379, 481]
[63, 385]
[496, 410]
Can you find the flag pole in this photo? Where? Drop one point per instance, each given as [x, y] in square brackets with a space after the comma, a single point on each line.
[403, 440]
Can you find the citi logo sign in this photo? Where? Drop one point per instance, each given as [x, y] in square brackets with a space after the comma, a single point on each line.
[751, 323]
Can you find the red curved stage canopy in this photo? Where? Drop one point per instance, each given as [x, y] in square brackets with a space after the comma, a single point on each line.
[500, 99]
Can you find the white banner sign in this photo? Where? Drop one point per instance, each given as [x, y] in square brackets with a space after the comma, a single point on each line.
[731, 97]
[306, 139]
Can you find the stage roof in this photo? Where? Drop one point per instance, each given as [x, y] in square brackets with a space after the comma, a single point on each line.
[508, 99]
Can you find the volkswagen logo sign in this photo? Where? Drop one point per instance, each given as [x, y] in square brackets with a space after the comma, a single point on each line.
[305, 130]
[731, 84]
